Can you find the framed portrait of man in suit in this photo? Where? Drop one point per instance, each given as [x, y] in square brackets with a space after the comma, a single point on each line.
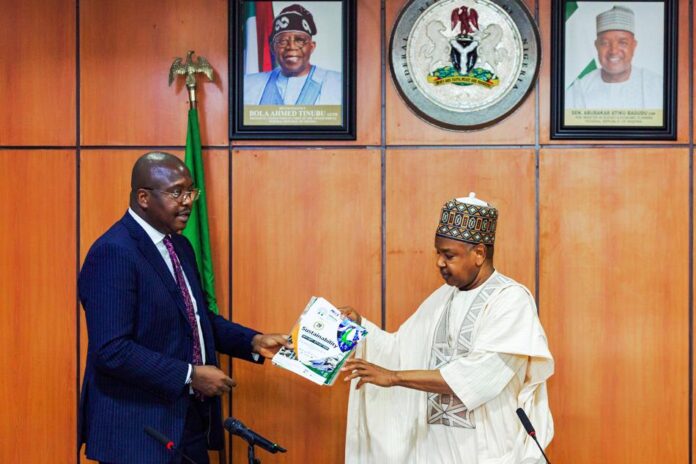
[293, 67]
[614, 69]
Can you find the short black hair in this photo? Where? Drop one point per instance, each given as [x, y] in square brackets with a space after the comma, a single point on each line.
[490, 251]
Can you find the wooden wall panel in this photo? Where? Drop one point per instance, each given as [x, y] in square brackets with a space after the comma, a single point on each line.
[419, 182]
[405, 128]
[368, 83]
[127, 48]
[614, 302]
[304, 223]
[38, 67]
[104, 190]
[37, 304]
[546, 70]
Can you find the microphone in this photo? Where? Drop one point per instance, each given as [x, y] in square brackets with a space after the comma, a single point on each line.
[167, 443]
[527, 424]
[235, 427]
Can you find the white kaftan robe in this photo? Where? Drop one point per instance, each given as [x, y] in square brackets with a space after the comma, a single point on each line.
[642, 91]
[506, 368]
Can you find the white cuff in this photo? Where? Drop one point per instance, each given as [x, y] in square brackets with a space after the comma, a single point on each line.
[188, 375]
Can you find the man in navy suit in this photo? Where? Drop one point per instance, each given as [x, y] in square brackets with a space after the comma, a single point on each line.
[151, 359]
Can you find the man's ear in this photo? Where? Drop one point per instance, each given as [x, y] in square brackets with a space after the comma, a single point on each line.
[480, 252]
[142, 196]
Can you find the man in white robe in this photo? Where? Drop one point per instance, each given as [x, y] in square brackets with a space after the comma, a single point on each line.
[445, 387]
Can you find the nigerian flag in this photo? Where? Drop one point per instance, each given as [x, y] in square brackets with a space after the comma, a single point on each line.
[197, 228]
[258, 24]
[580, 34]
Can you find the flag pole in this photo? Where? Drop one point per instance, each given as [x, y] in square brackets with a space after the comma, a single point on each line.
[193, 103]
[197, 230]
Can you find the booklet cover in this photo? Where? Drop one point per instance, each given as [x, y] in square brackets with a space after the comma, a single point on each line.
[322, 339]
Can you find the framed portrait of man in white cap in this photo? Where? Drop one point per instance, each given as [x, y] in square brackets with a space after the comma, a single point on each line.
[614, 70]
[292, 68]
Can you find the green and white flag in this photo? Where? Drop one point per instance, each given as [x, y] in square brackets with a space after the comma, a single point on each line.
[197, 230]
[580, 29]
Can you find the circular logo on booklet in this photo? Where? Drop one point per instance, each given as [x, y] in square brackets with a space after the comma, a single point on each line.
[347, 336]
[464, 64]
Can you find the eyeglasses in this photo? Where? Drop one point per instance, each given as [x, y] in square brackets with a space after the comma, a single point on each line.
[178, 194]
[284, 42]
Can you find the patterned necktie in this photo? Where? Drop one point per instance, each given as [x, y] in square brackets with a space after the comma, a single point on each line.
[190, 312]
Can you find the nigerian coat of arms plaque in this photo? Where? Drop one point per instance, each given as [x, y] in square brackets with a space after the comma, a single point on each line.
[464, 64]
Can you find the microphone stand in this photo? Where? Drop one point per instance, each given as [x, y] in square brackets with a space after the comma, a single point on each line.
[251, 453]
[541, 449]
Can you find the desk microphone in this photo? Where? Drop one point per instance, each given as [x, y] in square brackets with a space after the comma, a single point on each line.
[235, 427]
[527, 424]
[167, 443]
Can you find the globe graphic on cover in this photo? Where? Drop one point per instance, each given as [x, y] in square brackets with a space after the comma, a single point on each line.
[347, 336]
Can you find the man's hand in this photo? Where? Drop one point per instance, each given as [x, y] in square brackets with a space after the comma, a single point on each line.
[369, 373]
[351, 314]
[211, 381]
[268, 344]
[424, 380]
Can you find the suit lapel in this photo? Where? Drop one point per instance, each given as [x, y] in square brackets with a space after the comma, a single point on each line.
[153, 256]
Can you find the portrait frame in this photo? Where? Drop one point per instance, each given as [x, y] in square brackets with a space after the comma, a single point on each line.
[326, 110]
[576, 112]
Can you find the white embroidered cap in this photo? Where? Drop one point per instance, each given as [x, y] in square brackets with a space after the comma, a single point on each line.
[619, 18]
[468, 219]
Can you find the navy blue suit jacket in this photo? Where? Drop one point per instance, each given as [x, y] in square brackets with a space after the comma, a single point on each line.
[140, 346]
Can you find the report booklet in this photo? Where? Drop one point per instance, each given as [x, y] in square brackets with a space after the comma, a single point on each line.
[322, 340]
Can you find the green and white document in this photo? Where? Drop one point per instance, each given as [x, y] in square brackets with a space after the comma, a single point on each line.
[322, 340]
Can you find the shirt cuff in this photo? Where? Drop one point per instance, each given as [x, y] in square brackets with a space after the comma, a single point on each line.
[188, 375]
